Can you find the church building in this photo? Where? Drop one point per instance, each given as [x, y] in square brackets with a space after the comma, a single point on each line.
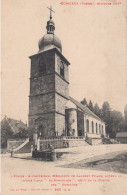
[52, 112]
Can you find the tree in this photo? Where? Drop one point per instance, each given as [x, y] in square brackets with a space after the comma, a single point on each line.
[117, 122]
[97, 110]
[124, 128]
[84, 102]
[106, 116]
[6, 133]
[91, 106]
[23, 133]
[125, 112]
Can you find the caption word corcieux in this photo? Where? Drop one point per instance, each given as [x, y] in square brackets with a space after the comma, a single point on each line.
[92, 3]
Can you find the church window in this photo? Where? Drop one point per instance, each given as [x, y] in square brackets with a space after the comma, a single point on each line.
[61, 69]
[92, 127]
[87, 125]
[42, 66]
[96, 128]
[99, 129]
[102, 130]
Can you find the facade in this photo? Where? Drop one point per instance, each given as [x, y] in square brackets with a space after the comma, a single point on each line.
[81, 121]
[52, 112]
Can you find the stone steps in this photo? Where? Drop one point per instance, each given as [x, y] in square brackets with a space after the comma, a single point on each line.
[26, 148]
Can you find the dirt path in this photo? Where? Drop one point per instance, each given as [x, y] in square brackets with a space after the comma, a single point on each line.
[114, 162]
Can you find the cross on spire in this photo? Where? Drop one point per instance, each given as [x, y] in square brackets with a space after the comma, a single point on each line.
[50, 8]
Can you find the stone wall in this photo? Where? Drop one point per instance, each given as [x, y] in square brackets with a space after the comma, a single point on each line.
[43, 84]
[60, 103]
[54, 143]
[61, 86]
[63, 143]
[42, 104]
[47, 58]
[59, 124]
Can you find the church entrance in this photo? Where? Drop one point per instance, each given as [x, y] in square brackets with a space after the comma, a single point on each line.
[41, 132]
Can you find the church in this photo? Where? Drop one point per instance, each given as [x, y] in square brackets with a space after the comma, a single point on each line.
[52, 112]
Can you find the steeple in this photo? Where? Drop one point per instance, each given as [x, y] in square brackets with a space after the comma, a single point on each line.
[50, 40]
[50, 24]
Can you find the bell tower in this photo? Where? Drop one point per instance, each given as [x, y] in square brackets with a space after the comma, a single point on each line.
[49, 85]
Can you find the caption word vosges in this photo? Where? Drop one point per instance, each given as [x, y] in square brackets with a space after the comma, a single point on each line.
[91, 3]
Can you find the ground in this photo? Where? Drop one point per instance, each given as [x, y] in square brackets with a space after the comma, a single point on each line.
[80, 170]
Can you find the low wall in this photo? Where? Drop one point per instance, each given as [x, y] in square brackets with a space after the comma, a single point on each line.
[54, 143]
[62, 143]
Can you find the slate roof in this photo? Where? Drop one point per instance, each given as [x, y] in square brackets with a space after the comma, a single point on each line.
[15, 124]
[122, 134]
[83, 108]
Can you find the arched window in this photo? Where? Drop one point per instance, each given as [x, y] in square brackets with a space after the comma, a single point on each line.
[99, 129]
[102, 130]
[92, 127]
[96, 128]
[87, 125]
[61, 68]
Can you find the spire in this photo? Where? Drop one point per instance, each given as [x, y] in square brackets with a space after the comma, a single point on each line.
[50, 24]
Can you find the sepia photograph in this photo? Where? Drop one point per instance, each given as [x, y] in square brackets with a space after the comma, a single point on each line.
[63, 97]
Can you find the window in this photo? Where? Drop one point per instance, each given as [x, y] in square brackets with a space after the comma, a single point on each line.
[99, 129]
[92, 127]
[96, 128]
[87, 125]
[61, 69]
[102, 130]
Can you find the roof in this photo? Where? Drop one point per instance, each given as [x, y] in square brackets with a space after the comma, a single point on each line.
[122, 134]
[83, 108]
[15, 124]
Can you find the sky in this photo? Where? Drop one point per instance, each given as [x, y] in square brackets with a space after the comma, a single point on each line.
[94, 40]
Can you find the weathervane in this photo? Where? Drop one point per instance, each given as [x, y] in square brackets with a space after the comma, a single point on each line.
[50, 8]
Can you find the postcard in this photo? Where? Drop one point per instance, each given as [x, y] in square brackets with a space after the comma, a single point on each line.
[64, 97]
